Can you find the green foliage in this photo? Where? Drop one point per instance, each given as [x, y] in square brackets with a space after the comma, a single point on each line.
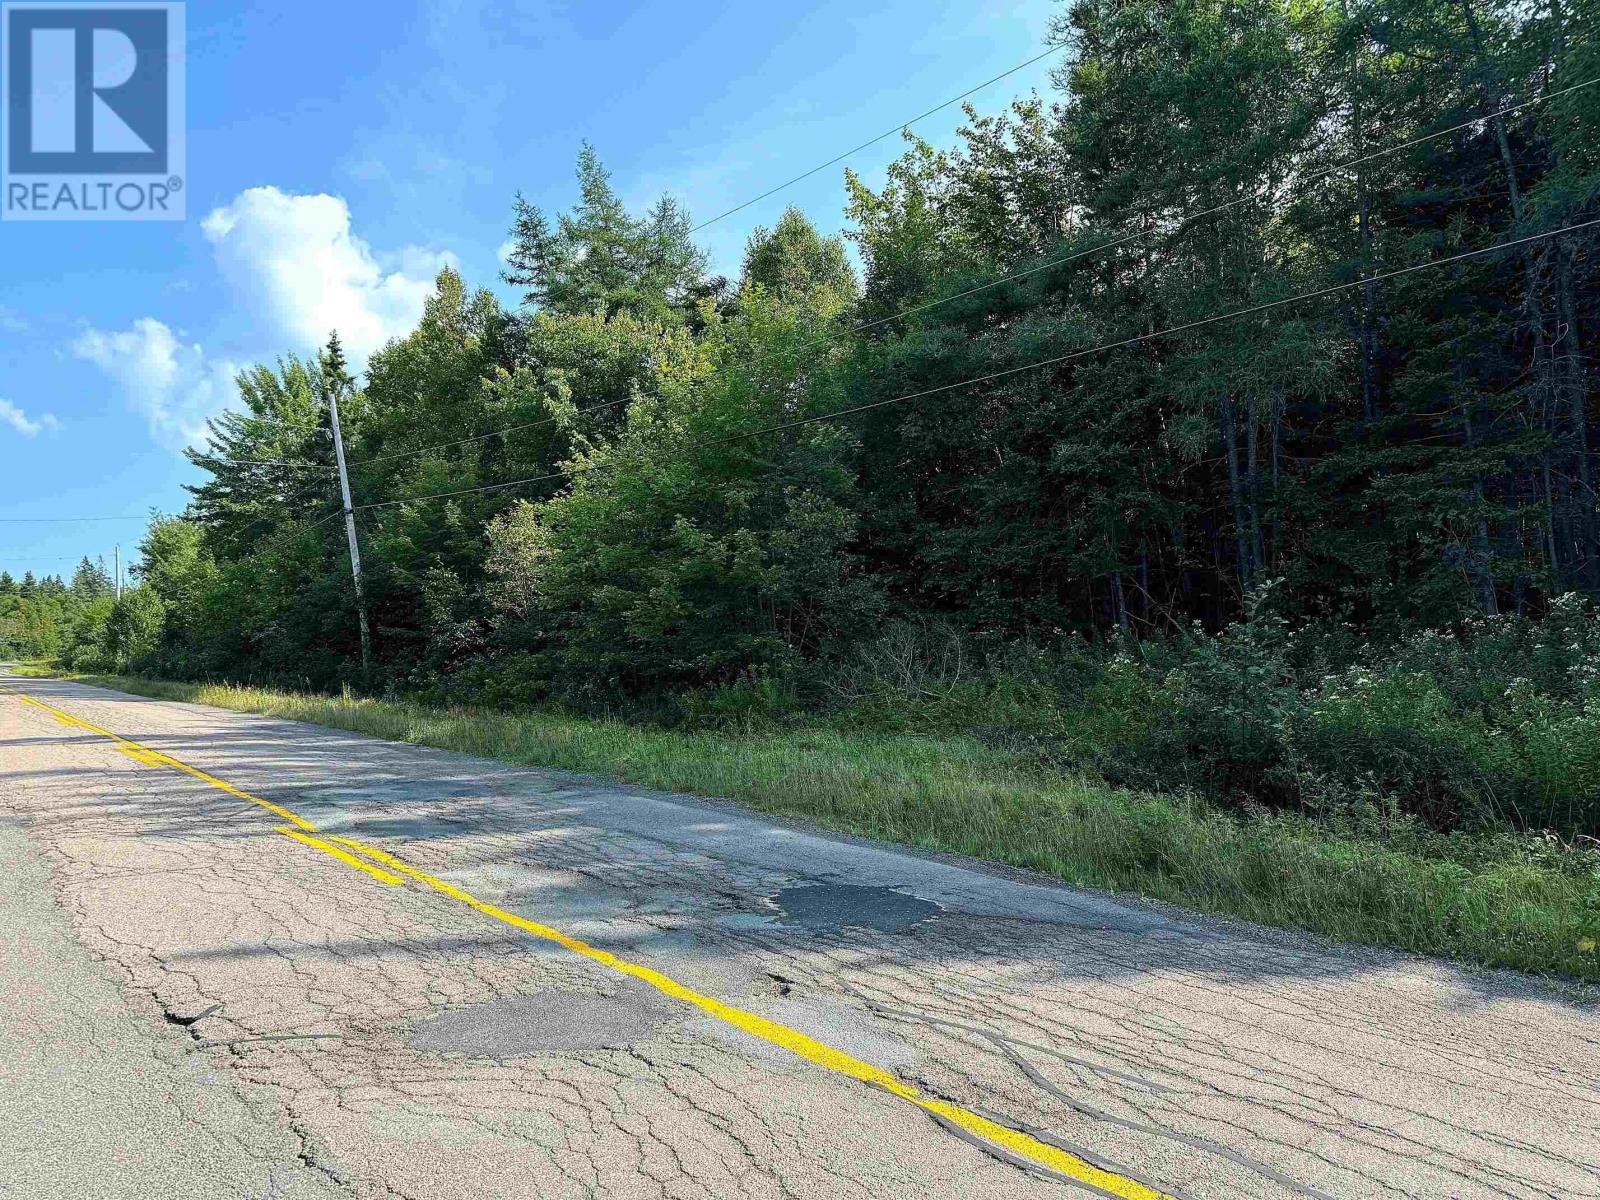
[798, 267]
[91, 579]
[86, 644]
[601, 260]
[1493, 725]
[684, 555]
[133, 627]
[1526, 903]
[177, 569]
[1203, 563]
[34, 616]
[180, 580]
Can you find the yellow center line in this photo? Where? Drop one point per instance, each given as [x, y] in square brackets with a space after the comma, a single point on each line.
[155, 758]
[389, 869]
[343, 856]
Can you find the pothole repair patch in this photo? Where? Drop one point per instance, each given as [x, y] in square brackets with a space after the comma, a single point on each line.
[545, 1023]
[830, 906]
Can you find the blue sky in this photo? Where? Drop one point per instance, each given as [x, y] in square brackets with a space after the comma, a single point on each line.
[339, 153]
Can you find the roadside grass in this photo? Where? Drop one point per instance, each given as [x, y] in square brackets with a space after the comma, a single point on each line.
[1483, 903]
[37, 668]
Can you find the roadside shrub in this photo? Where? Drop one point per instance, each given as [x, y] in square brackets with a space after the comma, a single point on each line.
[1494, 724]
[1399, 732]
[756, 700]
[1232, 697]
[931, 677]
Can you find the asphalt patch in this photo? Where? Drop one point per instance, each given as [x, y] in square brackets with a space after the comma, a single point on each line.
[824, 907]
[411, 829]
[545, 1023]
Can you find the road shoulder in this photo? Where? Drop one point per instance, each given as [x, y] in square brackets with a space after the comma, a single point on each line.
[99, 1098]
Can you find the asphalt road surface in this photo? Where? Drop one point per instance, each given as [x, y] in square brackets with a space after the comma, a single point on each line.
[245, 957]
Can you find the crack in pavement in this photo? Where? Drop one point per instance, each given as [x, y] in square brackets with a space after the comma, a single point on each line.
[1221, 1065]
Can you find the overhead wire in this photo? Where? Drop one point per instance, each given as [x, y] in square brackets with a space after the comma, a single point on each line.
[276, 462]
[838, 158]
[873, 141]
[66, 520]
[15, 554]
[1062, 260]
[1032, 366]
[482, 437]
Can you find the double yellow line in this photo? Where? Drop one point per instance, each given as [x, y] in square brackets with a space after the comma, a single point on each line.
[1014, 1144]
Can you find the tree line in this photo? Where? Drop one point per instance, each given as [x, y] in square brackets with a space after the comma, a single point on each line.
[77, 623]
[631, 484]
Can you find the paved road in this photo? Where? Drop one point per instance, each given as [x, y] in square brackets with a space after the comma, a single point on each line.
[93, 1100]
[355, 968]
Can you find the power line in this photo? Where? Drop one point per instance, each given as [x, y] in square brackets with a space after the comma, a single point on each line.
[1190, 219]
[275, 462]
[720, 216]
[838, 158]
[1468, 124]
[1012, 277]
[482, 437]
[1190, 325]
[66, 520]
[271, 423]
[1033, 366]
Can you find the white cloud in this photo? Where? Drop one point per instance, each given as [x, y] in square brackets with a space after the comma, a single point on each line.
[419, 262]
[291, 260]
[27, 426]
[172, 384]
[294, 260]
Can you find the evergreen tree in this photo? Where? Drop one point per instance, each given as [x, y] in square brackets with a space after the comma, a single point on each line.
[600, 259]
[91, 579]
[594, 508]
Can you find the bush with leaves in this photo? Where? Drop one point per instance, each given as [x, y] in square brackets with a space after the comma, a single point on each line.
[693, 549]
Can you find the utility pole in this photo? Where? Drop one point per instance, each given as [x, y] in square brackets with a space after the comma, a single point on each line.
[116, 578]
[333, 369]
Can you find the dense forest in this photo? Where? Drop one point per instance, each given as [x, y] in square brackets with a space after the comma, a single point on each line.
[51, 619]
[1128, 433]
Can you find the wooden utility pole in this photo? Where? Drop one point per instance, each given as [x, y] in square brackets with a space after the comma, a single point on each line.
[350, 530]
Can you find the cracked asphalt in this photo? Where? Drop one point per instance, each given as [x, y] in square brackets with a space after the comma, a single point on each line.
[198, 1005]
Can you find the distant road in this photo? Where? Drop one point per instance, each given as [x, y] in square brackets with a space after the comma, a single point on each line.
[246, 957]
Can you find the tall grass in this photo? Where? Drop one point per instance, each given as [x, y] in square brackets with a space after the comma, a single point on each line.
[1508, 901]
